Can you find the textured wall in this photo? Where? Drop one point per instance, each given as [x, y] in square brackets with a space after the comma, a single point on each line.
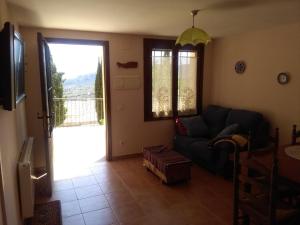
[266, 53]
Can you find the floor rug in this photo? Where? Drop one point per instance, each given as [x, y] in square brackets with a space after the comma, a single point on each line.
[48, 213]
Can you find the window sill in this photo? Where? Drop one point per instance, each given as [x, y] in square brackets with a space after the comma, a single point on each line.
[158, 119]
[168, 118]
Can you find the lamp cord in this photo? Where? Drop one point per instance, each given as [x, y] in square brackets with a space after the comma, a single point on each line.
[193, 20]
[194, 13]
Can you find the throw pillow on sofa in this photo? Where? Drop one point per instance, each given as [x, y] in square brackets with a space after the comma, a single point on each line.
[229, 130]
[180, 128]
[195, 126]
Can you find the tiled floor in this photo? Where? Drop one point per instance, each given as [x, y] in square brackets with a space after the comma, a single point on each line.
[81, 145]
[123, 192]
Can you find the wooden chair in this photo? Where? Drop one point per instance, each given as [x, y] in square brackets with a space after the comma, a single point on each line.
[256, 198]
[295, 135]
[273, 142]
[272, 148]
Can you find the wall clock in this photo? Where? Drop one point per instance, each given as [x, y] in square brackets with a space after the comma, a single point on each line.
[240, 67]
[283, 78]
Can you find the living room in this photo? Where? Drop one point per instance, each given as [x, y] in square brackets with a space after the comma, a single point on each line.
[266, 40]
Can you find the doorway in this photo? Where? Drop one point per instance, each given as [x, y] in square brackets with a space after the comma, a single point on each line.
[80, 80]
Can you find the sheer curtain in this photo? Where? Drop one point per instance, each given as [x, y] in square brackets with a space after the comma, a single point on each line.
[187, 83]
[162, 83]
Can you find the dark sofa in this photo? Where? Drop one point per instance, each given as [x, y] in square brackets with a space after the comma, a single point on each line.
[194, 135]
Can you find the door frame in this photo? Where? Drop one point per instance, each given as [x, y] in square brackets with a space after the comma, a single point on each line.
[107, 96]
[46, 187]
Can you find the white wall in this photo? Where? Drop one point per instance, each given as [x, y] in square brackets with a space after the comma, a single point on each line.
[3, 12]
[127, 106]
[12, 135]
[266, 53]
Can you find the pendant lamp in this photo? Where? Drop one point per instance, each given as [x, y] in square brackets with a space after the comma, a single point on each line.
[193, 35]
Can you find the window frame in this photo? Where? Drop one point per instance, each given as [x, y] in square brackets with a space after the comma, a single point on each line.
[164, 44]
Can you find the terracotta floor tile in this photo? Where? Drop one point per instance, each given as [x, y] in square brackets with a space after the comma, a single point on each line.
[119, 199]
[63, 185]
[74, 220]
[101, 168]
[112, 186]
[165, 217]
[93, 203]
[65, 195]
[141, 220]
[134, 196]
[130, 212]
[88, 191]
[70, 208]
[83, 181]
[100, 217]
[104, 177]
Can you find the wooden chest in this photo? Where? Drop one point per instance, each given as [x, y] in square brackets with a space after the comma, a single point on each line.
[168, 165]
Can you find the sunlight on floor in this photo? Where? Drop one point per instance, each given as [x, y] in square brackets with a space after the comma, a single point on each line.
[77, 148]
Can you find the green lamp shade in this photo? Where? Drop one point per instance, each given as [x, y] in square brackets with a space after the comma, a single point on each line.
[193, 36]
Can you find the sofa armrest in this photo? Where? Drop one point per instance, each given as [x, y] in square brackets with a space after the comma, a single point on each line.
[212, 142]
[227, 140]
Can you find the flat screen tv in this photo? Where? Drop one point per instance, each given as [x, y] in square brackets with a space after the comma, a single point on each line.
[19, 67]
[12, 83]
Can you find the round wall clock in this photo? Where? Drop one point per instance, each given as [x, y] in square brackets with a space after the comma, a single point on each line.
[240, 67]
[283, 78]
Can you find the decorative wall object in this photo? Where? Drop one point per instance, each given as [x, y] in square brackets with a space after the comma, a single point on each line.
[240, 67]
[283, 78]
[127, 65]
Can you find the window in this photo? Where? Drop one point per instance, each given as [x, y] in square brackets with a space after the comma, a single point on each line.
[172, 80]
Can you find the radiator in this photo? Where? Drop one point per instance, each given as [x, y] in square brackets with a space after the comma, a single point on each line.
[26, 180]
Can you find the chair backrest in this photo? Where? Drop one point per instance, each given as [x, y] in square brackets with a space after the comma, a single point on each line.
[273, 144]
[295, 135]
[253, 180]
[275, 139]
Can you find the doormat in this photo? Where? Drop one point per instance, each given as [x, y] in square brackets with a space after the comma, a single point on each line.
[48, 213]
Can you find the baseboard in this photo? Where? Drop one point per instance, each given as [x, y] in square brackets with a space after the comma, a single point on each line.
[135, 155]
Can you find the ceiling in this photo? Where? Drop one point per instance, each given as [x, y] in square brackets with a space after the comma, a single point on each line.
[155, 17]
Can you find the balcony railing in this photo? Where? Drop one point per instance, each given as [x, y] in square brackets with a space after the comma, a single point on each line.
[77, 111]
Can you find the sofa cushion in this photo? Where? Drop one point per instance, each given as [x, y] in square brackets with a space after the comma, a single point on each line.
[229, 130]
[215, 117]
[195, 126]
[247, 120]
[182, 144]
[201, 151]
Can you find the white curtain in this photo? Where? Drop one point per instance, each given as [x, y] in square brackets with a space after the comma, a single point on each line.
[162, 83]
[187, 83]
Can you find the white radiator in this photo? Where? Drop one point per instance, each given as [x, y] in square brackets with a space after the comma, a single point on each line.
[26, 180]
